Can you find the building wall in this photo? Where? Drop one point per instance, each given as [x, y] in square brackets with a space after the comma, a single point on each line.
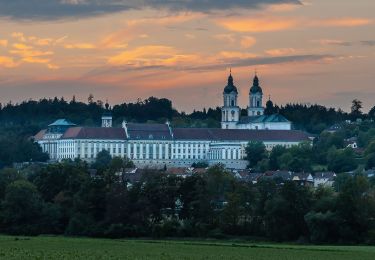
[157, 153]
[265, 126]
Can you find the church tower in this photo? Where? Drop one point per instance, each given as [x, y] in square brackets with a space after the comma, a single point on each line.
[230, 111]
[255, 99]
[107, 116]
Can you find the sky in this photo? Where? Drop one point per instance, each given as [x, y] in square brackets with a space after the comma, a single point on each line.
[304, 51]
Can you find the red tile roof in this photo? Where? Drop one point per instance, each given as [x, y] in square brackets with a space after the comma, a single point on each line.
[239, 134]
[95, 133]
[149, 131]
[39, 136]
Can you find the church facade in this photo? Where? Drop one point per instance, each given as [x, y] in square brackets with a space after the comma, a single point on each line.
[160, 145]
[256, 117]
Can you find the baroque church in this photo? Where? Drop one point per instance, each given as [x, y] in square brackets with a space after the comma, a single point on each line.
[256, 118]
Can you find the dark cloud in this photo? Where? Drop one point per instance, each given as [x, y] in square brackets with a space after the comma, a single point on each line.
[368, 43]
[62, 9]
[260, 61]
[348, 44]
[340, 43]
[224, 64]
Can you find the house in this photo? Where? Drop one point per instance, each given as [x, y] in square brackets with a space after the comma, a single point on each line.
[324, 178]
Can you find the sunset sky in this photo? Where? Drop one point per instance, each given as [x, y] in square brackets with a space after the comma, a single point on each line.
[309, 51]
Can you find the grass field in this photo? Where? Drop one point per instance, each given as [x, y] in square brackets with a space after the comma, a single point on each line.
[86, 248]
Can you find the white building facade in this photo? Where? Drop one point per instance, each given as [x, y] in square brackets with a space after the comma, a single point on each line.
[159, 145]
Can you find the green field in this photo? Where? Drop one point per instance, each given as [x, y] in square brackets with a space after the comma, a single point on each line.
[86, 248]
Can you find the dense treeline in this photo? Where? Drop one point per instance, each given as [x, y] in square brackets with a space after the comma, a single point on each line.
[330, 151]
[66, 199]
[34, 115]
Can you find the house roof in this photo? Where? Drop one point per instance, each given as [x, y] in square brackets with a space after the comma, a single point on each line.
[40, 135]
[324, 175]
[218, 134]
[94, 133]
[62, 122]
[274, 118]
[163, 132]
[149, 131]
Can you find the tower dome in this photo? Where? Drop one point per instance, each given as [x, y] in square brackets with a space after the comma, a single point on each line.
[230, 87]
[269, 103]
[256, 87]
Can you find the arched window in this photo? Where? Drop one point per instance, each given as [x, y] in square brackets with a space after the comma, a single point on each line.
[232, 103]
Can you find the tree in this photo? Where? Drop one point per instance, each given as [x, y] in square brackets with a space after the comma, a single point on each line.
[102, 161]
[7, 176]
[22, 208]
[201, 164]
[356, 208]
[90, 99]
[371, 113]
[341, 160]
[275, 154]
[285, 212]
[356, 107]
[323, 226]
[255, 152]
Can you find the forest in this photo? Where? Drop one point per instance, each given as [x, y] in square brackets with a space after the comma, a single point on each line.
[65, 199]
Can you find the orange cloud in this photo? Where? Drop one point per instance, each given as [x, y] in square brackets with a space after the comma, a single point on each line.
[35, 60]
[342, 22]
[259, 24]
[247, 41]
[80, 46]
[229, 38]
[283, 7]
[44, 42]
[21, 46]
[31, 53]
[53, 67]
[138, 28]
[3, 43]
[236, 54]
[268, 24]
[7, 62]
[280, 52]
[151, 55]
[20, 36]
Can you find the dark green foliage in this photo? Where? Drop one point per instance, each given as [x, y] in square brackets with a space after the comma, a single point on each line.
[64, 199]
[276, 152]
[102, 161]
[255, 152]
[285, 213]
[341, 160]
[21, 208]
[19, 149]
[323, 226]
[201, 164]
[313, 119]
